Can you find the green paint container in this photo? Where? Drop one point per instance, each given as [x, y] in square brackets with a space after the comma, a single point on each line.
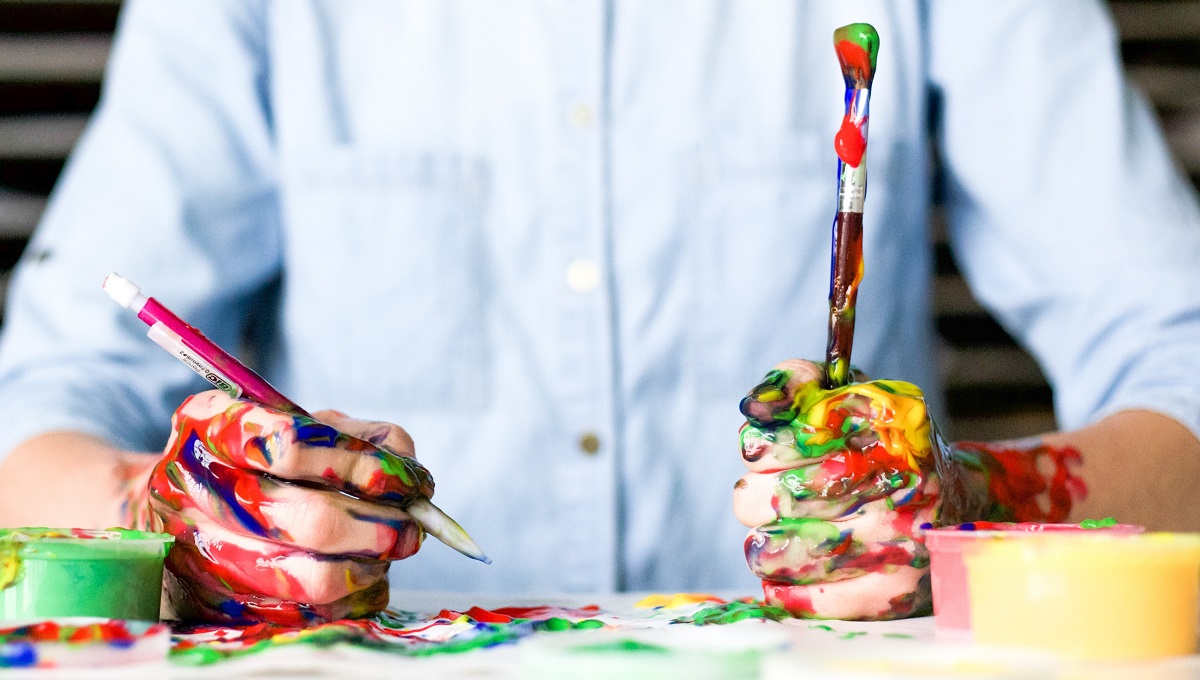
[111, 573]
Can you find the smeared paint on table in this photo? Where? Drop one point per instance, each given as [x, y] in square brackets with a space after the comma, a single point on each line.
[80, 642]
[394, 631]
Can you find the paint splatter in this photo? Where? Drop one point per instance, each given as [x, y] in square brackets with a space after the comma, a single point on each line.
[672, 601]
[393, 631]
[732, 612]
[38, 645]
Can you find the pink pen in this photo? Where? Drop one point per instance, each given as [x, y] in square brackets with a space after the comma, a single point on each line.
[233, 377]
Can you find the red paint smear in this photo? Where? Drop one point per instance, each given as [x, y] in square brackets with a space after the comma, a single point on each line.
[102, 632]
[1016, 485]
[225, 582]
[484, 616]
[249, 635]
[854, 59]
[794, 599]
[887, 555]
[546, 611]
[849, 142]
[507, 614]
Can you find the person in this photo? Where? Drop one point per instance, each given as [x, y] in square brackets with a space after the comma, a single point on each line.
[556, 243]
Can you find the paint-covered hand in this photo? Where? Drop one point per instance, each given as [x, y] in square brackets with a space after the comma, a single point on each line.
[282, 518]
[840, 483]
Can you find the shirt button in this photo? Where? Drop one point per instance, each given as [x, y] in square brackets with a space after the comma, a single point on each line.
[583, 275]
[589, 443]
[580, 114]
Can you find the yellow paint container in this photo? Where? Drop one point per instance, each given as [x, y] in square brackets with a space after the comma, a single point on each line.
[1088, 596]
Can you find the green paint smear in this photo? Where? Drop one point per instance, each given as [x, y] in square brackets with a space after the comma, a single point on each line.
[487, 635]
[816, 531]
[898, 636]
[203, 655]
[821, 626]
[791, 427]
[863, 35]
[852, 634]
[397, 466]
[732, 612]
[623, 646]
[556, 623]
[1098, 523]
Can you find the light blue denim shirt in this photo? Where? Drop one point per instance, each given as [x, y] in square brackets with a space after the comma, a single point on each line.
[508, 226]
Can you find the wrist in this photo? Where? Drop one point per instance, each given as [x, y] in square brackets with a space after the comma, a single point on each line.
[68, 479]
[1020, 481]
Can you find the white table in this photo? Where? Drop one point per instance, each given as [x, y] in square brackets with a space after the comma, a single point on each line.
[807, 641]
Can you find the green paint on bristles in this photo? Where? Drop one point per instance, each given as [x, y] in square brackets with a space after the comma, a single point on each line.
[861, 34]
[1098, 523]
[821, 626]
[898, 636]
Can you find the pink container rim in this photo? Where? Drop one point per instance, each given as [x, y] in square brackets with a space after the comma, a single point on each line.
[942, 538]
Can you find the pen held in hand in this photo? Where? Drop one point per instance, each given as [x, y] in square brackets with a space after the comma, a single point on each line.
[233, 377]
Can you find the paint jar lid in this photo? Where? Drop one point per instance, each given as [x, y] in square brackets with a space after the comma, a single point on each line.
[33, 543]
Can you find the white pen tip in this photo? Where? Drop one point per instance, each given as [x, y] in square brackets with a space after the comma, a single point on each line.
[121, 289]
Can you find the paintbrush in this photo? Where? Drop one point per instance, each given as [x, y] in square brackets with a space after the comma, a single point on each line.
[857, 46]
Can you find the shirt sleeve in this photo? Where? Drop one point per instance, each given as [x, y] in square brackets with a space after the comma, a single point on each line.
[1067, 214]
[173, 186]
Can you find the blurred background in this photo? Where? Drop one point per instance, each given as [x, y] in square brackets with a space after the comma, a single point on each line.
[52, 56]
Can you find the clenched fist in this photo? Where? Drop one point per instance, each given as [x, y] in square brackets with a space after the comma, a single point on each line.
[282, 518]
[840, 483]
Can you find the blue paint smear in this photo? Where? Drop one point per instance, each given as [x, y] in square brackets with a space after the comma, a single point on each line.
[18, 655]
[315, 433]
[220, 478]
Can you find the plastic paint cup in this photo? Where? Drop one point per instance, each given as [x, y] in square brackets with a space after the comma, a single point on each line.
[1086, 595]
[948, 573]
[112, 573]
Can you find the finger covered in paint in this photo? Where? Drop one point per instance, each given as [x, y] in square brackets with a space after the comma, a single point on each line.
[298, 448]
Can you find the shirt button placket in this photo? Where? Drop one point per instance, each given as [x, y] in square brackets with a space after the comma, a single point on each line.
[583, 470]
